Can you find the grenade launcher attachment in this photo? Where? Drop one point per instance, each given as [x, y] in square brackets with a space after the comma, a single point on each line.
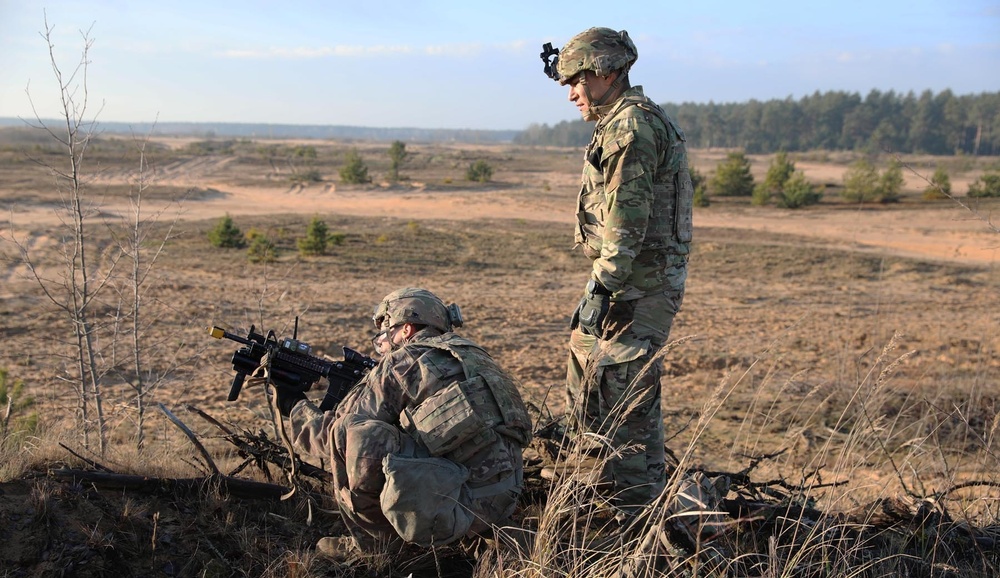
[293, 366]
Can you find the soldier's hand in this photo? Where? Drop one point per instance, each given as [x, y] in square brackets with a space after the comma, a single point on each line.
[286, 399]
[593, 309]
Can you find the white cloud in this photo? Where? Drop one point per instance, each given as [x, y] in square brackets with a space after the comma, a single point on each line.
[460, 50]
[303, 52]
[467, 50]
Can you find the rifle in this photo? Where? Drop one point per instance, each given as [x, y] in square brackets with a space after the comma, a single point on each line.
[293, 366]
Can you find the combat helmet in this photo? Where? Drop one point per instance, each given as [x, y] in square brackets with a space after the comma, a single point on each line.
[602, 50]
[416, 306]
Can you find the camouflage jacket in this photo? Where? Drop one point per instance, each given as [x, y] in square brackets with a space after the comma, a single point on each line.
[366, 427]
[636, 198]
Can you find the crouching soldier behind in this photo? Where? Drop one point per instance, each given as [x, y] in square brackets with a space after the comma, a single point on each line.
[427, 448]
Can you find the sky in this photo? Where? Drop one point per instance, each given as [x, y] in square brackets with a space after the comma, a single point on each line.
[471, 63]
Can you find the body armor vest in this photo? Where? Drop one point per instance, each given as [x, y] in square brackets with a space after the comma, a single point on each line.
[670, 220]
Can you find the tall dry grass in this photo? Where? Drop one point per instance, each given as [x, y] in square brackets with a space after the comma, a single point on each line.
[855, 457]
[832, 499]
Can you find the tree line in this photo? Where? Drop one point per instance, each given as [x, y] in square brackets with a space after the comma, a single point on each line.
[939, 124]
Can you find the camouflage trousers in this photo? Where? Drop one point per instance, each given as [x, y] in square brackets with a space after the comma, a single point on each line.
[613, 389]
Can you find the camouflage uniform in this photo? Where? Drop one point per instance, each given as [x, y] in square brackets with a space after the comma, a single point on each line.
[634, 222]
[394, 478]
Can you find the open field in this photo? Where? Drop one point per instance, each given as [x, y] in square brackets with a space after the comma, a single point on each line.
[789, 334]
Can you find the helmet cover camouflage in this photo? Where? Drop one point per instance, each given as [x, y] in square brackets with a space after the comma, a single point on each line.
[602, 50]
[416, 306]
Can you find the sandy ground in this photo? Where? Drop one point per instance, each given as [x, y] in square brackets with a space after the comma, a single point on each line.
[945, 232]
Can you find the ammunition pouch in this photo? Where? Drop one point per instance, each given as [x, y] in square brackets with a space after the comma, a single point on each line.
[456, 422]
[425, 499]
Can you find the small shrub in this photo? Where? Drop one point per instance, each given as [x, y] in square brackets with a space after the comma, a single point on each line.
[354, 171]
[261, 249]
[798, 192]
[761, 195]
[940, 186]
[860, 182]
[778, 174]
[863, 183]
[397, 154]
[701, 198]
[890, 184]
[316, 240]
[732, 178]
[310, 176]
[226, 234]
[700, 188]
[988, 185]
[479, 171]
[304, 151]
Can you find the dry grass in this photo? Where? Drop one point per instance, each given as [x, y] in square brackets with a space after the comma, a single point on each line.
[875, 372]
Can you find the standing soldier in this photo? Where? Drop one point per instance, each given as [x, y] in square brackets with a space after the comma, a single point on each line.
[634, 223]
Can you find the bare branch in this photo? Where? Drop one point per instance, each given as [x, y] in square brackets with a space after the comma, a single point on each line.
[190, 434]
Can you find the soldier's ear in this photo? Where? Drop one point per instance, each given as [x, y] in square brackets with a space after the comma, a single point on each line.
[407, 330]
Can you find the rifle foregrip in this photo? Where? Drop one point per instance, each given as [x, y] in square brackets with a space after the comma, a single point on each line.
[234, 390]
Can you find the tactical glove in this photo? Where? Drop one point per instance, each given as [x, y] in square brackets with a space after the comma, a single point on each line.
[286, 399]
[593, 309]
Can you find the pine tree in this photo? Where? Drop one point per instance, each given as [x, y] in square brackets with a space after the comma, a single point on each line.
[226, 234]
[397, 154]
[890, 183]
[316, 239]
[988, 185]
[940, 185]
[354, 171]
[480, 171]
[798, 192]
[778, 173]
[860, 182]
[732, 178]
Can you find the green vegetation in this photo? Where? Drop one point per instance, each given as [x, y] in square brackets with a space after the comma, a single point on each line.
[863, 184]
[988, 185]
[939, 124]
[209, 147]
[786, 186]
[700, 188]
[940, 185]
[306, 177]
[732, 177]
[798, 192]
[479, 171]
[226, 235]
[890, 183]
[261, 248]
[778, 173]
[354, 171]
[397, 154]
[317, 238]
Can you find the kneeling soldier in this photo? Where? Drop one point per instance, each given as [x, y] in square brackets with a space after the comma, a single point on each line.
[427, 448]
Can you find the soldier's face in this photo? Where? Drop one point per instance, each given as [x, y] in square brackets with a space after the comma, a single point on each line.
[578, 94]
[387, 338]
[578, 91]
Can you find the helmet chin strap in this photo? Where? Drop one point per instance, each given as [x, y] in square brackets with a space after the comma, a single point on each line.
[613, 90]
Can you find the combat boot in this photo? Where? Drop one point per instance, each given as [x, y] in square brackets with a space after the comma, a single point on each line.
[338, 548]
